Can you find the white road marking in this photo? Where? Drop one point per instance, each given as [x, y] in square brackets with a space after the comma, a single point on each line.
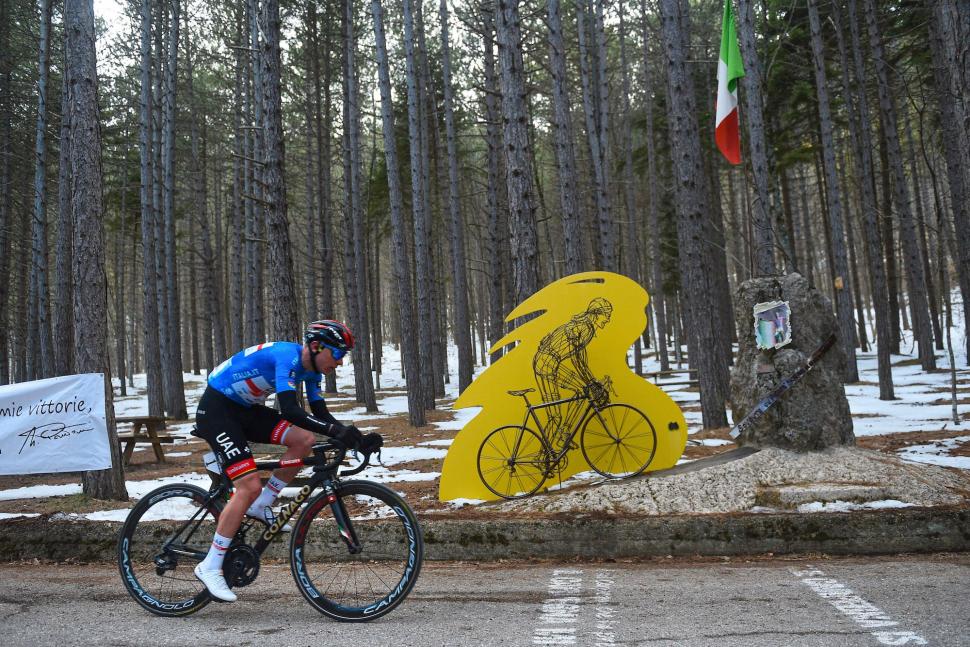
[560, 610]
[862, 612]
[604, 634]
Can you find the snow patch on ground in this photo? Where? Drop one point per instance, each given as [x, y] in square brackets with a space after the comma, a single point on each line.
[40, 491]
[847, 506]
[937, 453]
[15, 515]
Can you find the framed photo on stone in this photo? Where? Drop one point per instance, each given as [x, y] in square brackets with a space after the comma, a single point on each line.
[772, 324]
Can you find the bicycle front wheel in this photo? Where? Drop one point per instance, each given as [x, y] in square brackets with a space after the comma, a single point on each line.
[513, 462]
[356, 555]
[618, 441]
[165, 535]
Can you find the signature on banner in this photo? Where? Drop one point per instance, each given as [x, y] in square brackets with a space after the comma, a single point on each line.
[51, 431]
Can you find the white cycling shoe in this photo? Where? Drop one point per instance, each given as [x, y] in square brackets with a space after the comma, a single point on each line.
[215, 582]
[266, 515]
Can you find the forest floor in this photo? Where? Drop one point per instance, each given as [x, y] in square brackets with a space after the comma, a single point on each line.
[917, 427]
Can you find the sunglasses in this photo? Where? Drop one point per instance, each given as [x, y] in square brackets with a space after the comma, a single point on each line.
[337, 353]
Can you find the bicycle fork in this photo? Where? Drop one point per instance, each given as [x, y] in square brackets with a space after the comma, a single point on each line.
[344, 525]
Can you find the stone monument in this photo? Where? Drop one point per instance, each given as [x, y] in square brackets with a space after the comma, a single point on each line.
[814, 413]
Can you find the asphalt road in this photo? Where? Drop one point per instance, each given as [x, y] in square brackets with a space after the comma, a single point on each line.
[911, 600]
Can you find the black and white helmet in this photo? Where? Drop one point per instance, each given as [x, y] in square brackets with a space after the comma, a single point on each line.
[330, 333]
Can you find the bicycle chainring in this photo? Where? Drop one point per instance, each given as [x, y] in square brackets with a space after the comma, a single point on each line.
[241, 565]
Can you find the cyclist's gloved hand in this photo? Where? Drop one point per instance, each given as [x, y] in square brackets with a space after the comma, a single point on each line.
[349, 436]
[371, 442]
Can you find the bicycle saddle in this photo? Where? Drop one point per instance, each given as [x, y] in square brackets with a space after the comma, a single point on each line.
[521, 392]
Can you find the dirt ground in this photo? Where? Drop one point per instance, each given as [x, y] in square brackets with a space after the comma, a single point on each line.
[423, 495]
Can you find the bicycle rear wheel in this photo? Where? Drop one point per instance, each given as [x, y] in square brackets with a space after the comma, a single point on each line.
[513, 462]
[165, 535]
[356, 555]
[618, 441]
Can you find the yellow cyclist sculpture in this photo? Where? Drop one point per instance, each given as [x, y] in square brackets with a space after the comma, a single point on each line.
[563, 399]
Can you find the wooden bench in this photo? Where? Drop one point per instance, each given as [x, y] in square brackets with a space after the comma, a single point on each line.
[144, 430]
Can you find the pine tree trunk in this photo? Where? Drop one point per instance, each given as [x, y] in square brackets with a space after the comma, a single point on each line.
[946, 79]
[563, 144]
[357, 270]
[791, 260]
[921, 233]
[210, 274]
[256, 215]
[151, 336]
[90, 290]
[653, 196]
[692, 205]
[459, 280]
[21, 279]
[604, 219]
[158, 220]
[631, 227]
[496, 215]
[285, 324]
[62, 319]
[409, 351]
[219, 310]
[323, 120]
[859, 118]
[889, 242]
[857, 289]
[5, 193]
[518, 155]
[714, 235]
[175, 392]
[807, 231]
[311, 274]
[237, 328]
[764, 240]
[6, 64]
[422, 237]
[839, 260]
[428, 131]
[121, 242]
[41, 352]
[922, 330]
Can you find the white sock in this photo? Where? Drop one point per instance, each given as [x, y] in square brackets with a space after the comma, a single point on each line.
[270, 491]
[217, 553]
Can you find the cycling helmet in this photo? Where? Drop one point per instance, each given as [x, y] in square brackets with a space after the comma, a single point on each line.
[330, 333]
[599, 306]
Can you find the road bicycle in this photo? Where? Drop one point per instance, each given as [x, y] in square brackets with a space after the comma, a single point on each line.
[355, 552]
[617, 441]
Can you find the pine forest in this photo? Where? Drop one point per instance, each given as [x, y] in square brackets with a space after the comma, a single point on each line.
[182, 179]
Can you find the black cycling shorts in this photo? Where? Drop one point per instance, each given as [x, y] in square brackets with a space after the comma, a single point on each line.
[229, 426]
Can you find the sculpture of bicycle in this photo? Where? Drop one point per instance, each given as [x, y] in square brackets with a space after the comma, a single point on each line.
[617, 441]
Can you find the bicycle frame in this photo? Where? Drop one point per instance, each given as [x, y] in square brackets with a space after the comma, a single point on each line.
[325, 476]
[531, 411]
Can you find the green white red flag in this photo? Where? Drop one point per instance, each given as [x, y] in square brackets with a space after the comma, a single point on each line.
[729, 70]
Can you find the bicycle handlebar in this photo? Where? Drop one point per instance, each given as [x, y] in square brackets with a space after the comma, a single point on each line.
[319, 451]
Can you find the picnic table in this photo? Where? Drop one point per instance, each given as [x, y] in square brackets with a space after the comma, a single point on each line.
[144, 430]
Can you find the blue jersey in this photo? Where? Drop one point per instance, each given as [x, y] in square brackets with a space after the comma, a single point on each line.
[250, 375]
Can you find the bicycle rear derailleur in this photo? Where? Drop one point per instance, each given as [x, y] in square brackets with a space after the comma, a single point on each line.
[241, 566]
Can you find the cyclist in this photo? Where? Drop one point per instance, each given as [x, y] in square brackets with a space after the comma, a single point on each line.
[560, 360]
[231, 413]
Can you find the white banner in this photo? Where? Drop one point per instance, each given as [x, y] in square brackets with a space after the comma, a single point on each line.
[54, 425]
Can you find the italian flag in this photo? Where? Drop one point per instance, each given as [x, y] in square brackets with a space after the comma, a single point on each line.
[729, 70]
